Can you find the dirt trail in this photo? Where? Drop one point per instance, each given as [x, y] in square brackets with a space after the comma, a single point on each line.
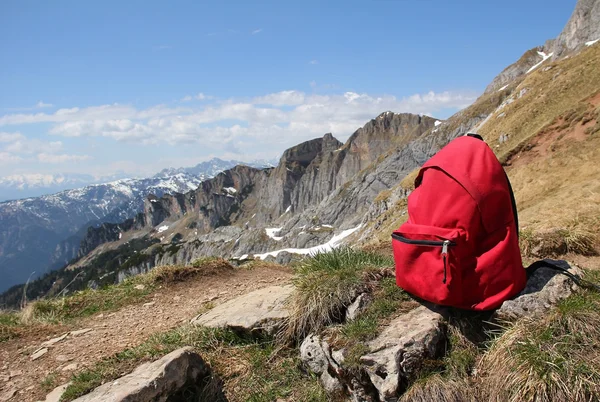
[110, 333]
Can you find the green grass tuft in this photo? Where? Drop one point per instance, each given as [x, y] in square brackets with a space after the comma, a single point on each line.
[328, 282]
[9, 326]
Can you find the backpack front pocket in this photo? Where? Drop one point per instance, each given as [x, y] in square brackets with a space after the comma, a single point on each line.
[428, 262]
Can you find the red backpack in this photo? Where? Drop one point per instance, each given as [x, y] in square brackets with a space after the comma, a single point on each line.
[460, 244]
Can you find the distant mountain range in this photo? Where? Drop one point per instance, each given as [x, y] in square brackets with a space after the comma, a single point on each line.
[19, 186]
[42, 233]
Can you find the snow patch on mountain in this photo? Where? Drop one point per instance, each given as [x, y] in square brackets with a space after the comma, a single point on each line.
[544, 57]
[335, 242]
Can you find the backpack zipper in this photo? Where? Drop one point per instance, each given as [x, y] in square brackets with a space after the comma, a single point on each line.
[434, 243]
[444, 255]
[444, 244]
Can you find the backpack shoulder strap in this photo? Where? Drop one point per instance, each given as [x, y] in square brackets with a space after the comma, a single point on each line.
[562, 267]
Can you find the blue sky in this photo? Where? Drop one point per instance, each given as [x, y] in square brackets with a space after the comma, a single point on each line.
[101, 86]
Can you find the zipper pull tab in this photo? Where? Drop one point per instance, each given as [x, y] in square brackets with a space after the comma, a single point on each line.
[445, 247]
[444, 257]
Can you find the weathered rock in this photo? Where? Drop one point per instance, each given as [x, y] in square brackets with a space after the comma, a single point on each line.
[583, 26]
[545, 288]
[315, 353]
[157, 381]
[54, 341]
[56, 393]
[8, 394]
[358, 306]
[261, 311]
[70, 367]
[81, 331]
[39, 353]
[399, 351]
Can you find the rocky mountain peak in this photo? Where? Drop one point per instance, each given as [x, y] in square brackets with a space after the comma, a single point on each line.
[583, 27]
[304, 153]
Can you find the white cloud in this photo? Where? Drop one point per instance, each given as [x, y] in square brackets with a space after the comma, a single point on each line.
[281, 98]
[61, 158]
[313, 62]
[39, 105]
[7, 158]
[162, 47]
[11, 137]
[32, 146]
[42, 105]
[256, 31]
[199, 96]
[234, 126]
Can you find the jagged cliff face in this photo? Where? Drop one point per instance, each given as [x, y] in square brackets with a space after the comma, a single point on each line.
[583, 27]
[307, 175]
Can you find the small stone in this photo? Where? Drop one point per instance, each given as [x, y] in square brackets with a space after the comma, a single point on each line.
[100, 316]
[150, 304]
[70, 367]
[176, 298]
[223, 293]
[139, 287]
[4, 378]
[39, 353]
[81, 331]
[358, 306]
[15, 373]
[54, 340]
[7, 395]
[63, 358]
[212, 298]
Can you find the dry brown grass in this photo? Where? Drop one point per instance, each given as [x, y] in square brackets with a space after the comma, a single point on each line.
[577, 239]
[556, 358]
[437, 388]
[178, 273]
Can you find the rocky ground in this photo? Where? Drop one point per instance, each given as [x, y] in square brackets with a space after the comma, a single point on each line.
[25, 378]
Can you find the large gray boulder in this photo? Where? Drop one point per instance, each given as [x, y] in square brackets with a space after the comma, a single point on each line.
[262, 311]
[400, 350]
[160, 381]
[544, 289]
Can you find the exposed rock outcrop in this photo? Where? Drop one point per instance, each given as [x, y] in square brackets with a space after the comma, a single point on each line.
[398, 353]
[162, 380]
[545, 288]
[260, 312]
[583, 27]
